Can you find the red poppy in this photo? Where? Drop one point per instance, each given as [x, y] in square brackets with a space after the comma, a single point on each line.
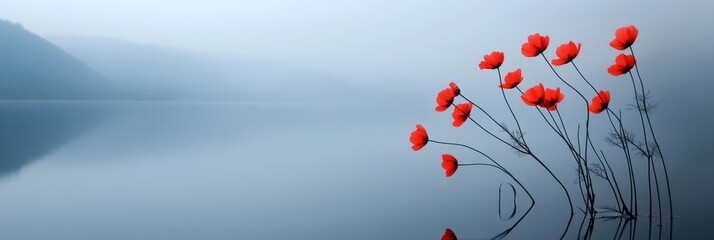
[448, 235]
[444, 99]
[491, 61]
[600, 102]
[419, 138]
[623, 64]
[455, 88]
[551, 99]
[461, 113]
[624, 37]
[566, 53]
[536, 45]
[449, 164]
[512, 79]
[534, 95]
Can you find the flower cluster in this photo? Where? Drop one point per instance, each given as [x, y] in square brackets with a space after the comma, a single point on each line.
[545, 101]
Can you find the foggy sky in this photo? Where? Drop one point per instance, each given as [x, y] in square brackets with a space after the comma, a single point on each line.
[365, 41]
[416, 47]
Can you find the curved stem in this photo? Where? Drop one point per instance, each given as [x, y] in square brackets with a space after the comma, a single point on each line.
[489, 133]
[514, 138]
[587, 121]
[567, 194]
[563, 80]
[480, 164]
[628, 156]
[644, 133]
[503, 92]
[582, 76]
[508, 230]
[598, 95]
[493, 161]
[614, 180]
[654, 138]
[582, 169]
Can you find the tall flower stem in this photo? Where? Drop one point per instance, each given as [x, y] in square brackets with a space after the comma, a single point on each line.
[493, 161]
[503, 128]
[654, 138]
[644, 133]
[503, 92]
[614, 128]
[569, 143]
[489, 132]
[588, 181]
[626, 149]
[557, 131]
[527, 151]
[587, 126]
[624, 209]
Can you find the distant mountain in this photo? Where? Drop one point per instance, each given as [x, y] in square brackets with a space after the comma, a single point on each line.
[84, 68]
[148, 71]
[33, 68]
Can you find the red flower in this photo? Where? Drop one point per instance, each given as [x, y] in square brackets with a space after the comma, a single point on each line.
[600, 102]
[449, 164]
[536, 45]
[623, 64]
[419, 138]
[448, 235]
[461, 113]
[534, 95]
[512, 79]
[491, 61]
[551, 99]
[455, 88]
[566, 53]
[444, 99]
[624, 37]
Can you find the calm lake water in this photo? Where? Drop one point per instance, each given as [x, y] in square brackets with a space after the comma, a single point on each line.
[279, 171]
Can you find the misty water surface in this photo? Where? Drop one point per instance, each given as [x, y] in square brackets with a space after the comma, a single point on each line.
[269, 171]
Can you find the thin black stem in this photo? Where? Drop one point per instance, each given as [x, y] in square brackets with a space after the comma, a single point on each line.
[578, 137]
[619, 224]
[582, 76]
[614, 180]
[587, 121]
[591, 86]
[568, 143]
[621, 135]
[489, 133]
[508, 230]
[632, 176]
[581, 170]
[567, 194]
[654, 138]
[503, 92]
[659, 200]
[515, 139]
[492, 160]
[480, 164]
[563, 80]
[567, 227]
[644, 133]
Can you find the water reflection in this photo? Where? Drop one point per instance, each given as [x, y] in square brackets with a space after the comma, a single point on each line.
[30, 130]
[626, 228]
[256, 171]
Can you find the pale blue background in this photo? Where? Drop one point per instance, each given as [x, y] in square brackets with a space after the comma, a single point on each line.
[317, 147]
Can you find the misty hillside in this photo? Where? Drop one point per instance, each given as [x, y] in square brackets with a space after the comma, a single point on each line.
[148, 71]
[31, 68]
